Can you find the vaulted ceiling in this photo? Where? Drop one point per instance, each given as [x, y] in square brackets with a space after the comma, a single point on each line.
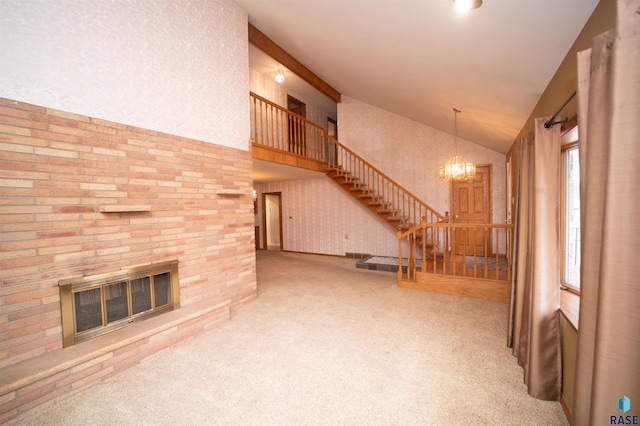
[420, 58]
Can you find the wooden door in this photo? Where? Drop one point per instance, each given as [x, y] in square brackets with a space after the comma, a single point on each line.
[471, 203]
[297, 129]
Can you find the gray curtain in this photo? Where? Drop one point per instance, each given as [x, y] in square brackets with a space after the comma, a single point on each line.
[608, 354]
[533, 321]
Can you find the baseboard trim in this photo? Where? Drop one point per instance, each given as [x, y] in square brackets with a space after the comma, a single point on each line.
[314, 254]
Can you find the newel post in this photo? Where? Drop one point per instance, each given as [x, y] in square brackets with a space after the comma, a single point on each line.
[447, 230]
[400, 257]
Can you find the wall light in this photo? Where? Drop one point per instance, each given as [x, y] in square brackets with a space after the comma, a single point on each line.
[279, 75]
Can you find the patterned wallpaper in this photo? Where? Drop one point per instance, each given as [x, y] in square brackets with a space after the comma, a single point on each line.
[320, 217]
[411, 153]
[174, 66]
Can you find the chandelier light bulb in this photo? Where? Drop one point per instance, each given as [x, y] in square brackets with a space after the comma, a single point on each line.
[456, 168]
[463, 6]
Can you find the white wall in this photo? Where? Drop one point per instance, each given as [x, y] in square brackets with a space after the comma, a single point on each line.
[410, 153]
[175, 66]
[317, 215]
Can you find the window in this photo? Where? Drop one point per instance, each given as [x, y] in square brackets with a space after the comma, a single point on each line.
[571, 210]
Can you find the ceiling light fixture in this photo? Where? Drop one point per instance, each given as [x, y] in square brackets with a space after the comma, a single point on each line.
[279, 75]
[456, 168]
[463, 6]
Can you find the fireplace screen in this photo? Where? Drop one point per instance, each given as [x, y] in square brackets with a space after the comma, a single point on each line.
[95, 305]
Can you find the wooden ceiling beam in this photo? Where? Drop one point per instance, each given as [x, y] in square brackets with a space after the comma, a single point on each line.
[264, 43]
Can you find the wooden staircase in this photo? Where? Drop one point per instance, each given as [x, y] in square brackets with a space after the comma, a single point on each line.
[384, 209]
[384, 197]
[369, 198]
[425, 236]
[271, 131]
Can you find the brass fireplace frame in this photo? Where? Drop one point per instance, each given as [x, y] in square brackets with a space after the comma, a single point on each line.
[70, 287]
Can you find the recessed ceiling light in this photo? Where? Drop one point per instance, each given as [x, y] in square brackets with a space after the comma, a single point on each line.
[463, 6]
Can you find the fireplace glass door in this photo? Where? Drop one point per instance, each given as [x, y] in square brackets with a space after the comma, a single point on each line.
[140, 295]
[92, 306]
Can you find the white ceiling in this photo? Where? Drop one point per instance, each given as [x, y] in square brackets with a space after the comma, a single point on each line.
[420, 58]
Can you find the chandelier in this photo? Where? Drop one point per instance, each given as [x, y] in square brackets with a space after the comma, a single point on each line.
[456, 168]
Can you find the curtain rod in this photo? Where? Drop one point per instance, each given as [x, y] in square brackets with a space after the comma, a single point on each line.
[551, 122]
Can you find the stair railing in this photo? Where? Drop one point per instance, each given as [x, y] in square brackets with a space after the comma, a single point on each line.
[276, 127]
[480, 250]
[400, 202]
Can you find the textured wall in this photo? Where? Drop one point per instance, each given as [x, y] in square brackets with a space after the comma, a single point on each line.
[410, 152]
[56, 172]
[176, 66]
[317, 215]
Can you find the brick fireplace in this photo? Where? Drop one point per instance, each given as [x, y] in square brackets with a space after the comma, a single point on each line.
[82, 197]
[98, 304]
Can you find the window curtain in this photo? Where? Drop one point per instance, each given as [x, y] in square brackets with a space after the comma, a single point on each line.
[534, 333]
[608, 354]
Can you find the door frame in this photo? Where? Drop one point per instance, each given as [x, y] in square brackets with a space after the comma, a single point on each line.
[264, 217]
[488, 201]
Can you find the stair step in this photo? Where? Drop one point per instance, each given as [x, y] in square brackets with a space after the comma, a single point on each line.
[397, 218]
[367, 194]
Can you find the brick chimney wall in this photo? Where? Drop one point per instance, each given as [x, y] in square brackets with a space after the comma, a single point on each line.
[58, 170]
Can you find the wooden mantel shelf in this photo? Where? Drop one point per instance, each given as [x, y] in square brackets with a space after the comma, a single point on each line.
[231, 192]
[125, 208]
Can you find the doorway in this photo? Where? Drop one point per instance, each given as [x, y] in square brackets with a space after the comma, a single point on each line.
[272, 220]
[471, 203]
[297, 129]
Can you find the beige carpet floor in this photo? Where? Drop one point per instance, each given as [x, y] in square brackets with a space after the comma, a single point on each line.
[326, 344]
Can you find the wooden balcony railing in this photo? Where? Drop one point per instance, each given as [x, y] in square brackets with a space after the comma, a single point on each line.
[275, 127]
[456, 249]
